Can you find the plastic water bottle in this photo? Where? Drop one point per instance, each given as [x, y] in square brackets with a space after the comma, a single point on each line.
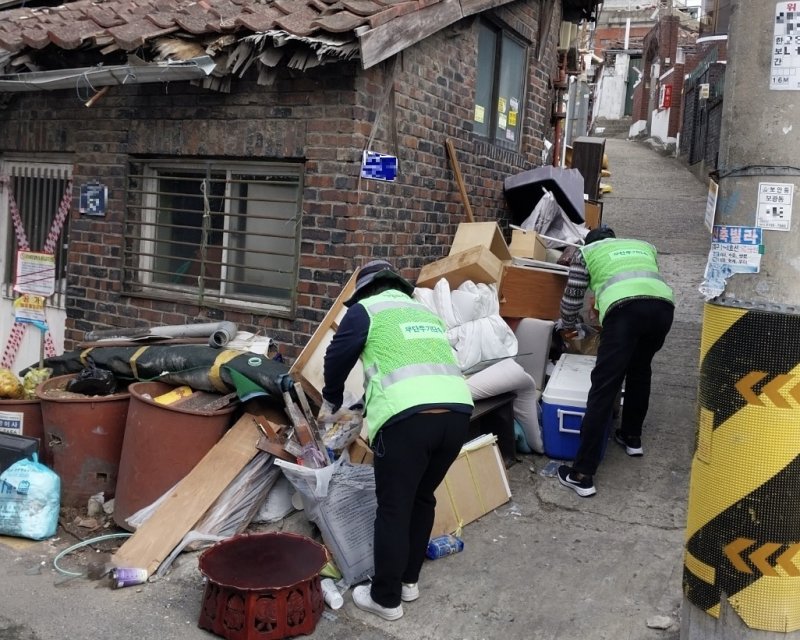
[331, 594]
[444, 546]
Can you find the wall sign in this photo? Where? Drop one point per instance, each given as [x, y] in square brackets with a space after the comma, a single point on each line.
[774, 206]
[93, 199]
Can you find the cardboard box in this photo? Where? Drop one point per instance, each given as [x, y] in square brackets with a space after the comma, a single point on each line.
[593, 214]
[480, 234]
[527, 244]
[475, 484]
[359, 452]
[527, 292]
[477, 264]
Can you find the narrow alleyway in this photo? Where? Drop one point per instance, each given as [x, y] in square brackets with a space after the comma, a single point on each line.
[547, 566]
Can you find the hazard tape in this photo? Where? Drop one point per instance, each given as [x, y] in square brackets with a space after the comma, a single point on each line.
[743, 524]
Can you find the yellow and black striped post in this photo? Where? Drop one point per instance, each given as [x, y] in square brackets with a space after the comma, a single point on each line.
[743, 526]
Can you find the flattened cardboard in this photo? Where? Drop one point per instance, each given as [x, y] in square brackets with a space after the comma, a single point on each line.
[475, 485]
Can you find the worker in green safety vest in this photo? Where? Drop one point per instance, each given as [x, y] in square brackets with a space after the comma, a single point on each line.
[418, 408]
[635, 308]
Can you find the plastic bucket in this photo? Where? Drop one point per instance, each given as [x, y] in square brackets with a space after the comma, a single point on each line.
[262, 586]
[24, 418]
[84, 435]
[162, 444]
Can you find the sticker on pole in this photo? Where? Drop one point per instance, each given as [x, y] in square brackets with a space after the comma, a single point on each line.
[36, 273]
[774, 206]
[785, 48]
[733, 250]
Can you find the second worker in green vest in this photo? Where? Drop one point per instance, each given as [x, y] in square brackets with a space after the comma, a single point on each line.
[635, 308]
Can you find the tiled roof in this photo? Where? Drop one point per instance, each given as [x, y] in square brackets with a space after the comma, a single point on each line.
[107, 27]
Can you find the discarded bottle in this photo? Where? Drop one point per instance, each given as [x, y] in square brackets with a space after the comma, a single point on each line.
[126, 577]
[444, 546]
[331, 594]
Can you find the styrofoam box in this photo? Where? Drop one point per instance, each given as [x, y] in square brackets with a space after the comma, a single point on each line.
[564, 403]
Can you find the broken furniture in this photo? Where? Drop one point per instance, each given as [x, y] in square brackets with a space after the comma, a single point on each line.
[524, 190]
[587, 157]
[495, 415]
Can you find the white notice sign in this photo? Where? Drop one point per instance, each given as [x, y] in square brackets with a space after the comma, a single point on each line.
[774, 206]
[786, 47]
[36, 273]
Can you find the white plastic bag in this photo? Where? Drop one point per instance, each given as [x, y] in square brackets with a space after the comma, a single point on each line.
[30, 497]
[549, 219]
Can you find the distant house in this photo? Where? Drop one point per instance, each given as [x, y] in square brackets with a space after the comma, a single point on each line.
[208, 154]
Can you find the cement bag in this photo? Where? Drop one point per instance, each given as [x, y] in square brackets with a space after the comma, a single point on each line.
[30, 497]
[340, 499]
[505, 376]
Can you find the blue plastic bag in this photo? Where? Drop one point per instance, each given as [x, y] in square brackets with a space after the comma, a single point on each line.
[30, 497]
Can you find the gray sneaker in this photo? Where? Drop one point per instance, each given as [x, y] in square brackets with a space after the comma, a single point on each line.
[409, 592]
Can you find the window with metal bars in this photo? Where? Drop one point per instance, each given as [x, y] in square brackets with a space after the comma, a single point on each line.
[31, 194]
[218, 233]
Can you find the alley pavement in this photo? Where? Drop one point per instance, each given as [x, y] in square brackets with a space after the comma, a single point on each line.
[548, 565]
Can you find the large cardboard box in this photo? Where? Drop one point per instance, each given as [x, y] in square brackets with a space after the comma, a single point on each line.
[480, 234]
[475, 484]
[527, 244]
[527, 292]
[477, 264]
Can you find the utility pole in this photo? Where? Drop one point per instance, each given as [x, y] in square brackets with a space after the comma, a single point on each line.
[742, 552]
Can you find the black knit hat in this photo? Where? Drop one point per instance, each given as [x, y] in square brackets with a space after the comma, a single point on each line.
[378, 270]
[603, 232]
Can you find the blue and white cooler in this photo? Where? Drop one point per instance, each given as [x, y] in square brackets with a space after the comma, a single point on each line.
[564, 403]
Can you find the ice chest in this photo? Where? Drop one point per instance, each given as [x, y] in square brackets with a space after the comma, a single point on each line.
[564, 403]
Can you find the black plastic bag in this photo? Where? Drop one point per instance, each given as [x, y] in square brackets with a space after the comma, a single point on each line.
[92, 381]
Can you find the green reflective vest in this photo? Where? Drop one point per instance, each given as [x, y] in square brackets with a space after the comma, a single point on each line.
[408, 360]
[620, 268]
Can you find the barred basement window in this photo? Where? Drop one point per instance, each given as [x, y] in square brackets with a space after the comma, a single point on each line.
[214, 232]
[33, 195]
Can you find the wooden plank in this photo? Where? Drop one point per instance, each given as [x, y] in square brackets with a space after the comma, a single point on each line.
[399, 34]
[191, 498]
[477, 264]
[451, 153]
[531, 293]
[308, 368]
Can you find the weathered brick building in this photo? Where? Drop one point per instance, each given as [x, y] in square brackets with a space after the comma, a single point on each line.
[238, 194]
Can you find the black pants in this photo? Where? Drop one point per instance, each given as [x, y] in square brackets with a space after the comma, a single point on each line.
[632, 333]
[411, 460]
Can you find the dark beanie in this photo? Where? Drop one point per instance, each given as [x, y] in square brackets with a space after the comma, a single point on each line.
[603, 232]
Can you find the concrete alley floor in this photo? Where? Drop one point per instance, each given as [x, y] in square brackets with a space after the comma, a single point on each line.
[546, 566]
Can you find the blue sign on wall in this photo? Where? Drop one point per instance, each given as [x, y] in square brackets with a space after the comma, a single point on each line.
[93, 199]
[377, 166]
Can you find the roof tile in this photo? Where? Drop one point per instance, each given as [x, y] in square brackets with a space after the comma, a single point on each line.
[35, 37]
[341, 22]
[105, 17]
[194, 19]
[299, 23]
[163, 19]
[11, 42]
[259, 21]
[291, 6]
[134, 34]
[71, 34]
[362, 7]
[390, 13]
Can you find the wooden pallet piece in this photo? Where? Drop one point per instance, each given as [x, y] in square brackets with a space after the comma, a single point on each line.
[190, 499]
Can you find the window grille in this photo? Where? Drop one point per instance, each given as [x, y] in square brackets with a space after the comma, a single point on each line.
[214, 233]
[37, 190]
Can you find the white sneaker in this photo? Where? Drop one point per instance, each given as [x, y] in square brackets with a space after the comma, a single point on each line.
[363, 600]
[410, 591]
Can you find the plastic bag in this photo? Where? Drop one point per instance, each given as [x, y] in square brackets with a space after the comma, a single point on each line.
[343, 427]
[92, 381]
[10, 386]
[33, 378]
[549, 219]
[30, 497]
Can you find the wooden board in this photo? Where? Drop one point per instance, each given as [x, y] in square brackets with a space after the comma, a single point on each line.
[191, 498]
[531, 293]
[308, 367]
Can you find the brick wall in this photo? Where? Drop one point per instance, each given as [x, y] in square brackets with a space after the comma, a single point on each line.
[324, 119]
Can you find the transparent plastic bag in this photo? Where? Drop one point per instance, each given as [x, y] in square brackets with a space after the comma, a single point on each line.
[341, 428]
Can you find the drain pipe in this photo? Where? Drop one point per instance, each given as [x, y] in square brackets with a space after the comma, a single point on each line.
[219, 333]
